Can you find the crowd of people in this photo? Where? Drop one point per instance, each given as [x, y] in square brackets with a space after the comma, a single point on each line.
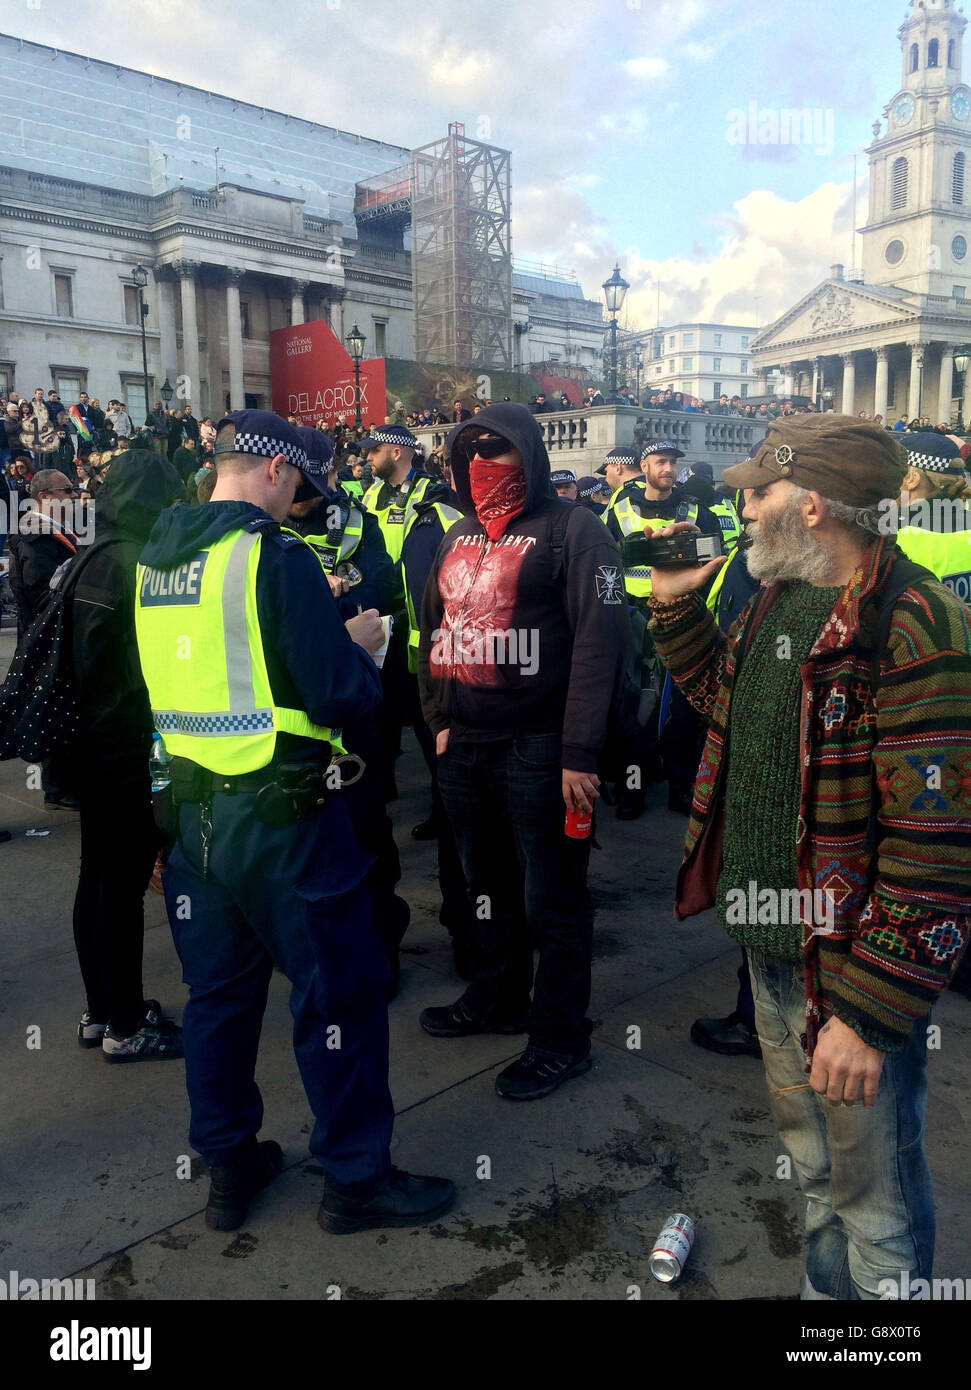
[327, 587]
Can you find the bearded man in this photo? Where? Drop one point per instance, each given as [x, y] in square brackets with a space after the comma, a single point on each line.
[830, 827]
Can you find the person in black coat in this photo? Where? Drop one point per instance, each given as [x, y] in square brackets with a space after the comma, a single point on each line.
[119, 839]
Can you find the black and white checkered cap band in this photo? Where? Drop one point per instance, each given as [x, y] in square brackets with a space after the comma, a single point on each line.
[630, 459]
[933, 463]
[401, 437]
[263, 444]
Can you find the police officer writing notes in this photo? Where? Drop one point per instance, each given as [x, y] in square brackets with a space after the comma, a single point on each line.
[233, 617]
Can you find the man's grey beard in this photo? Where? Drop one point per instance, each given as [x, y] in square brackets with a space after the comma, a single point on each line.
[784, 548]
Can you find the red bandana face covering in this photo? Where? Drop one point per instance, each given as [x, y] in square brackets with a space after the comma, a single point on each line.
[498, 493]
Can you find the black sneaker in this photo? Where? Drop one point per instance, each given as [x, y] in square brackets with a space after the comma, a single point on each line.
[459, 1021]
[729, 1036]
[156, 1039]
[404, 1199]
[537, 1072]
[66, 802]
[233, 1186]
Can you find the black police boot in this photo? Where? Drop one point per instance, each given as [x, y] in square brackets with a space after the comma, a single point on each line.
[729, 1036]
[460, 1020]
[538, 1072]
[403, 1199]
[233, 1185]
[426, 829]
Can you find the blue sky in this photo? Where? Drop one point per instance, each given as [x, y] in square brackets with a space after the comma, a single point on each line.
[616, 115]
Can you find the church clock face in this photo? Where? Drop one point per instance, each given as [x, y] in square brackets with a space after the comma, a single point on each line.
[960, 104]
[903, 111]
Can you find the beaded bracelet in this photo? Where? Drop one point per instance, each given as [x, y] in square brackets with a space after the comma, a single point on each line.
[674, 609]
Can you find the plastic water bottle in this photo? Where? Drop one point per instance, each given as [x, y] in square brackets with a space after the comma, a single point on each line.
[159, 764]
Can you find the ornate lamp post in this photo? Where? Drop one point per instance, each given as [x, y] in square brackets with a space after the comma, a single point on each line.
[615, 291]
[140, 277]
[355, 346]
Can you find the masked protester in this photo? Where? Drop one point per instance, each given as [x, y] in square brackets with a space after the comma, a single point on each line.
[524, 631]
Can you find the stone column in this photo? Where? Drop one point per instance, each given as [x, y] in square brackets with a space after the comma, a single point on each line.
[298, 313]
[787, 372]
[168, 365]
[190, 336]
[848, 398]
[880, 385]
[946, 385]
[916, 379]
[817, 379]
[234, 338]
[966, 397]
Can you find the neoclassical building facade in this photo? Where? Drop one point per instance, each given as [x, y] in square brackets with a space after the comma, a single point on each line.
[883, 339]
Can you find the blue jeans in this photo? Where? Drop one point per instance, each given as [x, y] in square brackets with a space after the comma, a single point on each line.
[526, 880]
[292, 896]
[870, 1204]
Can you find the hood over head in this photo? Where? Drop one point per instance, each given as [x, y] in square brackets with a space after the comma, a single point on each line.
[518, 425]
[138, 486]
[182, 532]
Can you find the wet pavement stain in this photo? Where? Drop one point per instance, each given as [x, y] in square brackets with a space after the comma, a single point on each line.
[243, 1245]
[694, 1285]
[781, 1227]
[665, 1152]
[749, 1116]
[173, 1241]
[737, 1259]
[748, 1177]
[118, 1278]
[481, 1286]
[606, 945]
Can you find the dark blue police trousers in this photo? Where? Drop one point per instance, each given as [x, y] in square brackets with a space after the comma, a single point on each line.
[293, 896]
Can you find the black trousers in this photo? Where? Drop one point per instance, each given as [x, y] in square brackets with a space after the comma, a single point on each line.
[119, 843]
[527, 882]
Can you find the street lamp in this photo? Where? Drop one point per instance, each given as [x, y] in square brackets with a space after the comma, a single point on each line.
[140, 276]
[166, 392]
[961, 366]
[355, 346]
[615, 290]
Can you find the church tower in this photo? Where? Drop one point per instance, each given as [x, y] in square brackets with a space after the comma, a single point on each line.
[918, 232]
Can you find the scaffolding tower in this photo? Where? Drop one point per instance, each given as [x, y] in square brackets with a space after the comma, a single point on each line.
[461, 254]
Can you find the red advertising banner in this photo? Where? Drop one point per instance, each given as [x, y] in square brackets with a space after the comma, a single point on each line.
[312, 377]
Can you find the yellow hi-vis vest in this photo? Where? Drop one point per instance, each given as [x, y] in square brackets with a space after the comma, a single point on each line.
[728, 520]
[947, 554]
[447, 517]
[392, 519]
[333, 554]
[637, 578]
[202, 658]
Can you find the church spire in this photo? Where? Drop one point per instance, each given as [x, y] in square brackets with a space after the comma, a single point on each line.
[930, 42]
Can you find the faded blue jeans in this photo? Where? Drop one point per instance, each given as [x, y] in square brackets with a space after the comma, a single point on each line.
[869, 1200]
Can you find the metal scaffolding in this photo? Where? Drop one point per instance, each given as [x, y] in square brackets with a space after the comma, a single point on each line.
[461, 253]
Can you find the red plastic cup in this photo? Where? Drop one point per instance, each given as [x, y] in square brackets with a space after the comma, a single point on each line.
[578, 824]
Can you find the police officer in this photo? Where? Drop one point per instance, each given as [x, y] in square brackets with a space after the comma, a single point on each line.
[351, 549]
[231, 614]
[698, 482]
[565, 482]
[398, 483]
[934, 510]
[593, 495]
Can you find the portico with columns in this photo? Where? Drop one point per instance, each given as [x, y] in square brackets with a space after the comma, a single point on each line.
[852, 347]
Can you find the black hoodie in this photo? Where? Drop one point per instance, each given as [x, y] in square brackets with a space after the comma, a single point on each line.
[571, 630]
[116, 721]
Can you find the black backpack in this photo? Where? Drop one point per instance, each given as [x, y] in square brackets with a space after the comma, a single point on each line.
[38, 705]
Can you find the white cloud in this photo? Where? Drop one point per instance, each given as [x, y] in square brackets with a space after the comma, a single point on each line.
[647, 67]
[769, 249]
[449, 70]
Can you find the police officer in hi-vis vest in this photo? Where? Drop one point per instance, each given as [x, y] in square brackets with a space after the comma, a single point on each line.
[351, 549]
[935, 510]
[250, 669]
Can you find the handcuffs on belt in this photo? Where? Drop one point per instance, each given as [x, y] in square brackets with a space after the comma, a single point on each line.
[300, 787]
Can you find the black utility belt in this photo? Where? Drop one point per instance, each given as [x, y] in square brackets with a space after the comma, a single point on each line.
[283, 792]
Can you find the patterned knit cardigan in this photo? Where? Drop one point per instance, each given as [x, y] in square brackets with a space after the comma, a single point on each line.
[901, 914]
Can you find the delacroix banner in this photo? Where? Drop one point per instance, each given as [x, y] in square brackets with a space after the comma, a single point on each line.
[312, 376]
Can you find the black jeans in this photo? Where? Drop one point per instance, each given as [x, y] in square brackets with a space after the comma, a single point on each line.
[526, 879]
[119, 842]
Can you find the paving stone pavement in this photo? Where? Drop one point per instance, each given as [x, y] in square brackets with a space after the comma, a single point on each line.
[559, 1199]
